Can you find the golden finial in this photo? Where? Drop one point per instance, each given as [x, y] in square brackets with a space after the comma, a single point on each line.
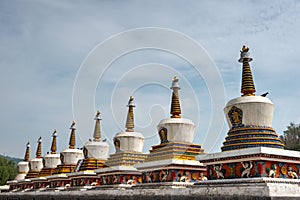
[27, 152]
[39, 148]
[245, 49]
[98, 114]
[53, 146]
[72, 125]
[72, 141]
[247, 88]
[175, 104]
[97, 131]
[130, 117]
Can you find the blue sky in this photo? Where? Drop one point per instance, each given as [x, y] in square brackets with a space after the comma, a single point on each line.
[44, 43]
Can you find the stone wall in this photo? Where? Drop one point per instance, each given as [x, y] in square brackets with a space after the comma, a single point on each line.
[259, 191]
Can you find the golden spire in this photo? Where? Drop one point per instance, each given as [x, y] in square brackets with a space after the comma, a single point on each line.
[97, 131]
[53, 146]
[27, 152]
[72, 137]
[175, 104]
[39, 148]
[130, 117]
[248, 88]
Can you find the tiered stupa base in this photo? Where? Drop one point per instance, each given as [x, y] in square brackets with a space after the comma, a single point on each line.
[20, 176]
[248, 136]
[125, 158]
[174, 150]
[252, 162]
[47, 172]
[172, 162]
[120, 169]
[91, 164]
[65, 168]
[32, 174]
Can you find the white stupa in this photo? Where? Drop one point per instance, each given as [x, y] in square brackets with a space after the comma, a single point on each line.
[129, 143]
[129, 146]
[176, 128]
[36, 164]
[249, 117]
[173, 160]
[23, 166]
[70, 157]
[52, 159]
[95, 151]
[129, 140]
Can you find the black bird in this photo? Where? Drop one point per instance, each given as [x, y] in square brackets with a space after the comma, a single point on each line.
[264, 94]
[90, 140]
[104, 140]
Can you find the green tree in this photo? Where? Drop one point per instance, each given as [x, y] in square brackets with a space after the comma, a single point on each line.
[8, 170]
[291, 137]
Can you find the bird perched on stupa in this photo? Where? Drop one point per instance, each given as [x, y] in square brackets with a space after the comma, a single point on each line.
[264, 94]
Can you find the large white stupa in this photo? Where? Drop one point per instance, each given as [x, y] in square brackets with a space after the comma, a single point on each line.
[249, 117]
[252, 158]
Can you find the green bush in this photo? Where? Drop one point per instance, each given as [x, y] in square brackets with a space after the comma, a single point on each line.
[8, 170]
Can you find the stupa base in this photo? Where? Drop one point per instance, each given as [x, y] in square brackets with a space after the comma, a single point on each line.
[47, 172]
[252, 162]
[171, 170]
[116, 175]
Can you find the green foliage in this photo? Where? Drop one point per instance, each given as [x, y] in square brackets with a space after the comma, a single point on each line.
[8, 170]
[291, 137]
[15, 160]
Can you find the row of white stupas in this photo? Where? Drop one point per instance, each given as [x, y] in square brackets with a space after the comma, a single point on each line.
[252, 149]
[95, 153]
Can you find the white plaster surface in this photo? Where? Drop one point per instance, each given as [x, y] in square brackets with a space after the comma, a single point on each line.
[23, 167]
[52, 160]
[71, 156]
[178, 129]
[36, 164]
[257, 110]
[39, 179]
[130, 141]
[81, 173]
[56, 176]
[20, 176]
[115, 168]
[98, 150]
[161, 163]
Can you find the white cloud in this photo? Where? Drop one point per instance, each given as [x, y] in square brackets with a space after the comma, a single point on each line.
[43, 44]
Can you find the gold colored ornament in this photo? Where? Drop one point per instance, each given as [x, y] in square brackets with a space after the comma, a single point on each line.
[283, 170]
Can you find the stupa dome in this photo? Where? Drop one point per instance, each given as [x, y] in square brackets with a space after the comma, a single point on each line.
[129, 140]
[96, 148]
